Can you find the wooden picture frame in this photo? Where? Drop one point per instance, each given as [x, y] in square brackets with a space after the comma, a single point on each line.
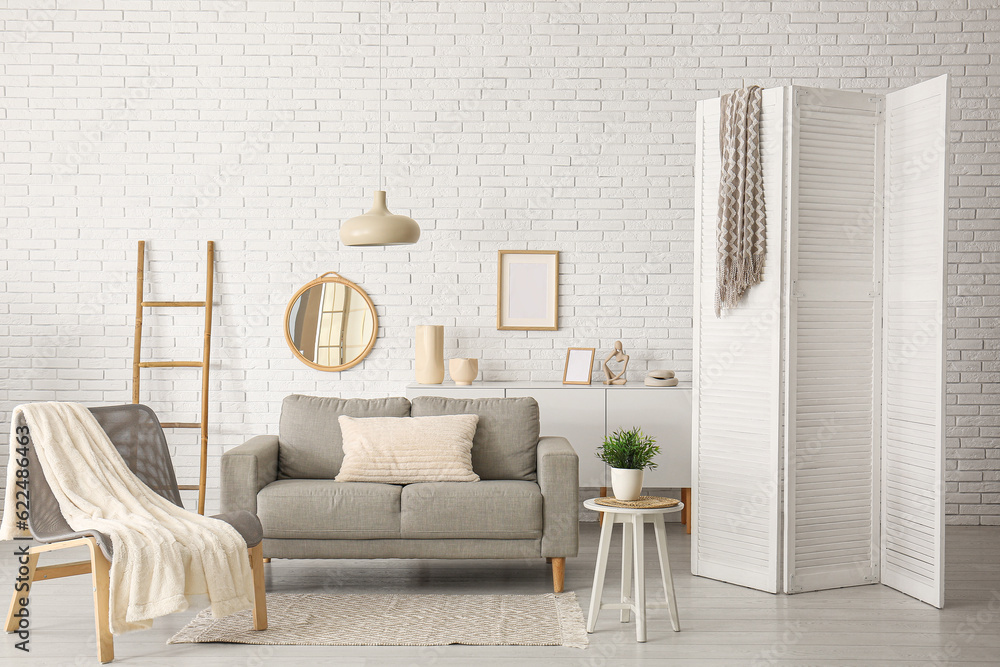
[528, 290]
[573, 371]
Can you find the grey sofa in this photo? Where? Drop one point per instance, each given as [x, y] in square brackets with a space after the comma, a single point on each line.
[525, 505]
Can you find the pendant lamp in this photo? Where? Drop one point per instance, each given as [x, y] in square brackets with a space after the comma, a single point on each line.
[379, 226]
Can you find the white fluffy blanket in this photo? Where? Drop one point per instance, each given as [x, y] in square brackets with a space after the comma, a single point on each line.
[162, 553]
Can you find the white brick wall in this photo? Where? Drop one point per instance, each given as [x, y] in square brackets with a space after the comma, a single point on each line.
[556, 125]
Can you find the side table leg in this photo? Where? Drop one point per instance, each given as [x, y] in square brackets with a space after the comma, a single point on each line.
[602, 565]
[668, 579]
[627, 538]
[640, 577]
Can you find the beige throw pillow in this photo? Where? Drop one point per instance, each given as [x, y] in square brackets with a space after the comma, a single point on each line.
[401, 450]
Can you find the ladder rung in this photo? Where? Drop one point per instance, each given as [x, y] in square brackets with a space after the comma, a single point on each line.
[170, 364]
[188, 487]
[173, 304]
[180, 424]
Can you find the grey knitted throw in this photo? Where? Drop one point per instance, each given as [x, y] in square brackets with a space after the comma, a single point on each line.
[742, 229]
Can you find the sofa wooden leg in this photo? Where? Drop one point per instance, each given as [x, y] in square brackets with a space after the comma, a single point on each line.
[603, 492]
[558, 574]
[267, 560]
[15, 602]
[548, 560]
[259, 591]
[100, 570]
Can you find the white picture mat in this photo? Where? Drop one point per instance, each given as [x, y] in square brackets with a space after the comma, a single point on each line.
[528, 289]
[579, 365]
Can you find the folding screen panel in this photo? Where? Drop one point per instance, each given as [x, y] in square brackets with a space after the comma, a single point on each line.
[916, 148]
[831, 384]
[735, 473]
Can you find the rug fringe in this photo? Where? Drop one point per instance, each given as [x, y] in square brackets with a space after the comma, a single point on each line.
[571, 620]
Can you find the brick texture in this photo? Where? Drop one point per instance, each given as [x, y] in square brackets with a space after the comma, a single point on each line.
[544, 125]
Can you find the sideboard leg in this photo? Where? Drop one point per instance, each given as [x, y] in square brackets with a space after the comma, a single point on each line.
[686, 512]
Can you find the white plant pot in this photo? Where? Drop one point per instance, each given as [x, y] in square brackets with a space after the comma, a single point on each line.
[626, 483]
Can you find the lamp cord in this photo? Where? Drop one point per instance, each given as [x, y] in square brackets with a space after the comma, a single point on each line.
[379, 94]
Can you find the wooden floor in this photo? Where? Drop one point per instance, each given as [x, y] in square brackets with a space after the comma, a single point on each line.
[720, 624]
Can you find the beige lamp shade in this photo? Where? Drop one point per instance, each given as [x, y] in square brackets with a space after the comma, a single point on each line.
[379, 226]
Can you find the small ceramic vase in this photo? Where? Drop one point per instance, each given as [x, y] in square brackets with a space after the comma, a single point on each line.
[463, 371]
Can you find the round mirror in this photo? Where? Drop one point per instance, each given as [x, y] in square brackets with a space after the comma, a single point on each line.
[330, 324]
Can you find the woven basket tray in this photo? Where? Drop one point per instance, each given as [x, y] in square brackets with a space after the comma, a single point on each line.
[643, 503]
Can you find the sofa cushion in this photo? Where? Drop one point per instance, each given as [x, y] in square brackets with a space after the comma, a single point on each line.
[498, 509]
[506, 437]
[402, 450]
[309, 440]
[323, 509]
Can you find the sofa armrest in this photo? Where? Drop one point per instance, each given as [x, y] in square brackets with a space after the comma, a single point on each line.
[246, 470]
[559, 480]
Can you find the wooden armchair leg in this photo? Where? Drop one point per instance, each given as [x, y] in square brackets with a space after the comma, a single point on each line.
[25, 575]
[100, 569]
[259, 593]
[558, 574]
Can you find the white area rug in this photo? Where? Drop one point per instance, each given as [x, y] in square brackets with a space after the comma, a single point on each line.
[401, 620]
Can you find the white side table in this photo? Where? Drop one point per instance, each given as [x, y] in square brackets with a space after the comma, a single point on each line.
[632, 521]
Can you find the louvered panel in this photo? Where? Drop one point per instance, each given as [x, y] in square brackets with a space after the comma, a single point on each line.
[834, 200]
[913, 358]
[708, 169]
[831, 476]
[736, 380]
[833, 443]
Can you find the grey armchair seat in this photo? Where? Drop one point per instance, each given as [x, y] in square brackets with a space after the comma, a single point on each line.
[524, 506]
[136, 433]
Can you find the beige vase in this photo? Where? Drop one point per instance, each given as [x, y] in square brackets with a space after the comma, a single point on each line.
[463, 371]
[430, 353]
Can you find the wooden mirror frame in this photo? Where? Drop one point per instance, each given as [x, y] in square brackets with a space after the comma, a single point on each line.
[331, 277]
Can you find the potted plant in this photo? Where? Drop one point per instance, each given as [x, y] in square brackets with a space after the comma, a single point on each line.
[628, 453]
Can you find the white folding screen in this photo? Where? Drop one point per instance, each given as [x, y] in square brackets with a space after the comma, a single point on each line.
[819, 402]
[833, 276]
[736, 397]
[913, 364]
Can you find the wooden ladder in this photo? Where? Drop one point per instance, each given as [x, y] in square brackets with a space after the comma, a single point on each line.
[137, 362]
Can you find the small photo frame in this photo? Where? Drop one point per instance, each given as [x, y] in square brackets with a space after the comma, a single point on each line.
[579, 365]
[528, 290]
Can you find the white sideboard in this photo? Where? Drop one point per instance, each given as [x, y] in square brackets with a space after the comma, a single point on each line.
[584, 414]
